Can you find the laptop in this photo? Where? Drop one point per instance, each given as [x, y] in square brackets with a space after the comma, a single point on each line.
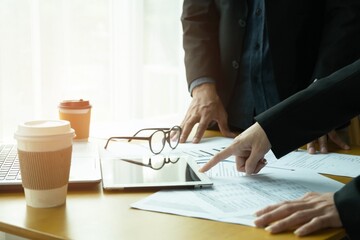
[122, 171]
[85, 165]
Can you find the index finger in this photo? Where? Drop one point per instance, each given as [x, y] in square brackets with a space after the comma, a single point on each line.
[216, 159]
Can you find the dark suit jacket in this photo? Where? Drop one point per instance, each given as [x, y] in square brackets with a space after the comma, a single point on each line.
[324, 105]
[308, 39]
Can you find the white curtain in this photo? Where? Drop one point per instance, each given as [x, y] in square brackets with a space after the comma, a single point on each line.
[125, 56]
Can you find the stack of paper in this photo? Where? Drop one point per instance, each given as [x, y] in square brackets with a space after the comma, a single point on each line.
[235, 197]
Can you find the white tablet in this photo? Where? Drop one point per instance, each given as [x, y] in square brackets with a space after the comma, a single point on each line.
[151, 172]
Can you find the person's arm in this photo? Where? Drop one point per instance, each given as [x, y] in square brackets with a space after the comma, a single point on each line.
[324, 105]
[347, 201]
[339, 47]
[308, 114]
[298, 119]
[200, 21]
[198, 82]
[340, 39]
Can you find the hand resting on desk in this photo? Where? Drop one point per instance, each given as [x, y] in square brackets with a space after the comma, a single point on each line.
[205, 108]
[323, 143]
[311, 213]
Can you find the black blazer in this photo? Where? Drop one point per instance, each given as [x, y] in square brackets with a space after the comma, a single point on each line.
[308, 39]
[324, 105]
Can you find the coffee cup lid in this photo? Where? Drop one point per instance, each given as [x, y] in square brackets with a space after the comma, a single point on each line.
[42, 128]
[75, 104]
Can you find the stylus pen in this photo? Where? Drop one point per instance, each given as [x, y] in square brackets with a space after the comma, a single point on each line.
[206, 160]
[289, 169]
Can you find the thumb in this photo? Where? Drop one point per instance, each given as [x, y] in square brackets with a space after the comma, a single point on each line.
[252, 162]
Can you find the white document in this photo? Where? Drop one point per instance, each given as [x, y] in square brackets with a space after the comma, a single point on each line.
[205, 149]
[331, 163]
[236, 199]
[202, 152]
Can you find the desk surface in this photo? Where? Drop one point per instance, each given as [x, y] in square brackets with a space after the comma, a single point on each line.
[92, 213]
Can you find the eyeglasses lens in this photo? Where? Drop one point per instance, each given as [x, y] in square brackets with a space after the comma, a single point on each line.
[175, 133]
[157, 141]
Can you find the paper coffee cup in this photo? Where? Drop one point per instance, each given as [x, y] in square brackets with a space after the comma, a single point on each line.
[44, 149]
[78, 113]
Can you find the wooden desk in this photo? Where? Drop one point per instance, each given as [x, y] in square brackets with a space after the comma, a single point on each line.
[95, 214]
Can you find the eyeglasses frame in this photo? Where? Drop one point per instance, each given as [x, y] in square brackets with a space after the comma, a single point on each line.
[166, 132]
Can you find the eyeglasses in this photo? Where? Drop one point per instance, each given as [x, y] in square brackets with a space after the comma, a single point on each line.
[157, 139]
[155, 162]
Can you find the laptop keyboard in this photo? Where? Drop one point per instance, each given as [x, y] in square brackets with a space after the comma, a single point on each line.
[9, 163]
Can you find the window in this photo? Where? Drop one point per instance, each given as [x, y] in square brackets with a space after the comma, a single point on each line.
[125, 56]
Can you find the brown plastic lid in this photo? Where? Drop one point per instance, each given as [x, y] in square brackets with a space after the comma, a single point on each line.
[75, 104]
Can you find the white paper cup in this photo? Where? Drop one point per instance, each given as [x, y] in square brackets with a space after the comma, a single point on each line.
[44, 149]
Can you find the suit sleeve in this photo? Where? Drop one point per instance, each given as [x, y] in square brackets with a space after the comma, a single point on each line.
[200, 21]
[347, 201]
[307, 115]
[340, 37]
